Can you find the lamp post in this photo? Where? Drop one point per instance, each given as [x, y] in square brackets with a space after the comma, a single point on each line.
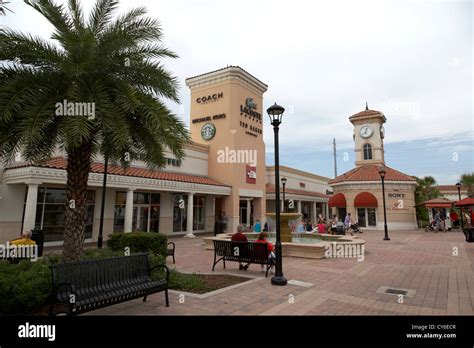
[275, 112]
[458, 186]
[382, 173]
[283, 182]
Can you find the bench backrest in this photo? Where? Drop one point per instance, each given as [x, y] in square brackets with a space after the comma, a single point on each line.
[101, 272]
[241, 251]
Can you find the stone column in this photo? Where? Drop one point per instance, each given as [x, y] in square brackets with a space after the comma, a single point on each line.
[128, 212]
[315, 213]
[189, 219]
[30, 208]
[298, 207]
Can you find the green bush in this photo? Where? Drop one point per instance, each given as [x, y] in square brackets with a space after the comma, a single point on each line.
[25, 286]
[154, 243]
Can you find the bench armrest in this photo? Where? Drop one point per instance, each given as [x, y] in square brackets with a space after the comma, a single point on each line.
[166, 269]
[54, 292]
[172, 244]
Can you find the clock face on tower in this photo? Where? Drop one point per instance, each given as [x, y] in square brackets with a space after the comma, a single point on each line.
[366, 131]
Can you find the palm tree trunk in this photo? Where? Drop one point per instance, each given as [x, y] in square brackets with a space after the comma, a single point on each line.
[78, 168]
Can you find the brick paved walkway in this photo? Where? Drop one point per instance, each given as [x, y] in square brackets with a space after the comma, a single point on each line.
[412, 260]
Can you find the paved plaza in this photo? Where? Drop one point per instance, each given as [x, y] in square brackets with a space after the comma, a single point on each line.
[437, 269]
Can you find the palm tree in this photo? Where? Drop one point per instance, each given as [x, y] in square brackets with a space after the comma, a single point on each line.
[423, 192]
[467, 179]
[111, 64]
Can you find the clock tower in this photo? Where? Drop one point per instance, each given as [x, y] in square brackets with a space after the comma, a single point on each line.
[368, 137]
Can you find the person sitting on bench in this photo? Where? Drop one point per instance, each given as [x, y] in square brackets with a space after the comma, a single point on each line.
[262, 238]
[240, 237]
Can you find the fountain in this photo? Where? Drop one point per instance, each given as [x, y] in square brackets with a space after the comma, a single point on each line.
[307, 245]
[286, 221]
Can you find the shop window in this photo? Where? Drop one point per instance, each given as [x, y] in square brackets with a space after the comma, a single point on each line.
[50, 213]
[146, 212]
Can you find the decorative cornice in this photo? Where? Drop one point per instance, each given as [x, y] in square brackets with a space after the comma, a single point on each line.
[24, 175]
[227, 74]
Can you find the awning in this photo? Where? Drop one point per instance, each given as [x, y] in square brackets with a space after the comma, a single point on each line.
[337, 201]
[365, 199]
[465, 202]
[438, 203]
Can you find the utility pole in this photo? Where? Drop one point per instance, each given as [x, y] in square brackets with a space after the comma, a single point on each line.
[334, 154]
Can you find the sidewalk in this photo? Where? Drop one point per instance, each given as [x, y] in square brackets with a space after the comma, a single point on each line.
[418, 261]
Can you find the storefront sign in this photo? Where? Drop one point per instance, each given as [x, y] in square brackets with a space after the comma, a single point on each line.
[329, 192]
[249, 128]
[208, 118]
[396, 195]
[251, 174]
[208, 131]
[210, 98]
[249, 110]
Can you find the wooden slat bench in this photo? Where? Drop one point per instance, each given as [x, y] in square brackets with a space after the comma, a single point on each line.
[91, 284]
[242, 252]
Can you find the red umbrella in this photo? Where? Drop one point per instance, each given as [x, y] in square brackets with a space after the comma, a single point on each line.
[465, 202]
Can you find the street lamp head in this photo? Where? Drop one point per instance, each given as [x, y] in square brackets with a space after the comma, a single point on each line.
[458, 185]
[275, 112]
[382, 172]
[283, 181]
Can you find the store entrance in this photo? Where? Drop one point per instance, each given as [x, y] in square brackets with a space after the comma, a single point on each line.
[367, 217]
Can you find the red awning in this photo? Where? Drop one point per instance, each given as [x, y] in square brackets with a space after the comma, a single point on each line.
[337, 201]
[465, 202]
[365, 199]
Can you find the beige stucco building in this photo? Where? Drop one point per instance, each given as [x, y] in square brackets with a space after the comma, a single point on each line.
[223, 170]
[359, 191]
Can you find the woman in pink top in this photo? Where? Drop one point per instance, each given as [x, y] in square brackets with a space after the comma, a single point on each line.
[262, 238]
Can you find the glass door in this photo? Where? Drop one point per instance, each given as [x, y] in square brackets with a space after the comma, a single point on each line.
[371, 217]
[361, 217]
[140, 218]
[155, 218]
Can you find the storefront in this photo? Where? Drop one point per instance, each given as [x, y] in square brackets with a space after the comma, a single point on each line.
[359, 191]
[223, 171]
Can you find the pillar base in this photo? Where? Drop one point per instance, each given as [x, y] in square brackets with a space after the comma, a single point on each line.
[189, 235]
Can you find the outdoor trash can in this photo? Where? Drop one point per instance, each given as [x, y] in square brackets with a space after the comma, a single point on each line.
[38, 236]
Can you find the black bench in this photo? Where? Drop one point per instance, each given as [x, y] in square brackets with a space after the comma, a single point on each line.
[242, 252]
[87, 285]
[171, 247]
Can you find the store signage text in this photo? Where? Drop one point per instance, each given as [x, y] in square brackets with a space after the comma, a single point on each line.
[210, 98]
[208, 118]
[251, 174]
[249, 129]
[396, 195]
[248, 110]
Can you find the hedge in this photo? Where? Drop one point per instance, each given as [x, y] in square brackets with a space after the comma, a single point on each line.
[154, 243]
[25, 286]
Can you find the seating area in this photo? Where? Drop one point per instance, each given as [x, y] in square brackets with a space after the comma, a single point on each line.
[87, 285]
[242, 252]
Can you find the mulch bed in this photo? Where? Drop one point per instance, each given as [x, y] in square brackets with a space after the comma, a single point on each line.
[215, 282]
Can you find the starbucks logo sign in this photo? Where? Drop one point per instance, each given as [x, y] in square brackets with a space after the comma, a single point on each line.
[208, 131]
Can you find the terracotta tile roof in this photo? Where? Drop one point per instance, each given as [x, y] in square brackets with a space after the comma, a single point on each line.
[370, 172]
[367, 113]
[270, 189]
[97, 167]
[450, 188]
[438, 203]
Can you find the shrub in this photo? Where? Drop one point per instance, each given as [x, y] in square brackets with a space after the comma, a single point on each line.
[154, 243]
[25, 286]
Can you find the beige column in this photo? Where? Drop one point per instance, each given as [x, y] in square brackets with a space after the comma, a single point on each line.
[189, 219]
[128, 211]
[30, 208]
[315, 213]
[298, 207]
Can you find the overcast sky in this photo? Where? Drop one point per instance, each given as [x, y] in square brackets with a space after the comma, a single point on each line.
[322, 61]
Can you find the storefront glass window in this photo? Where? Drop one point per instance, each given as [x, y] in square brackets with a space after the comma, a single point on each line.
[199, 213]
[50, 213]
[146, 212]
